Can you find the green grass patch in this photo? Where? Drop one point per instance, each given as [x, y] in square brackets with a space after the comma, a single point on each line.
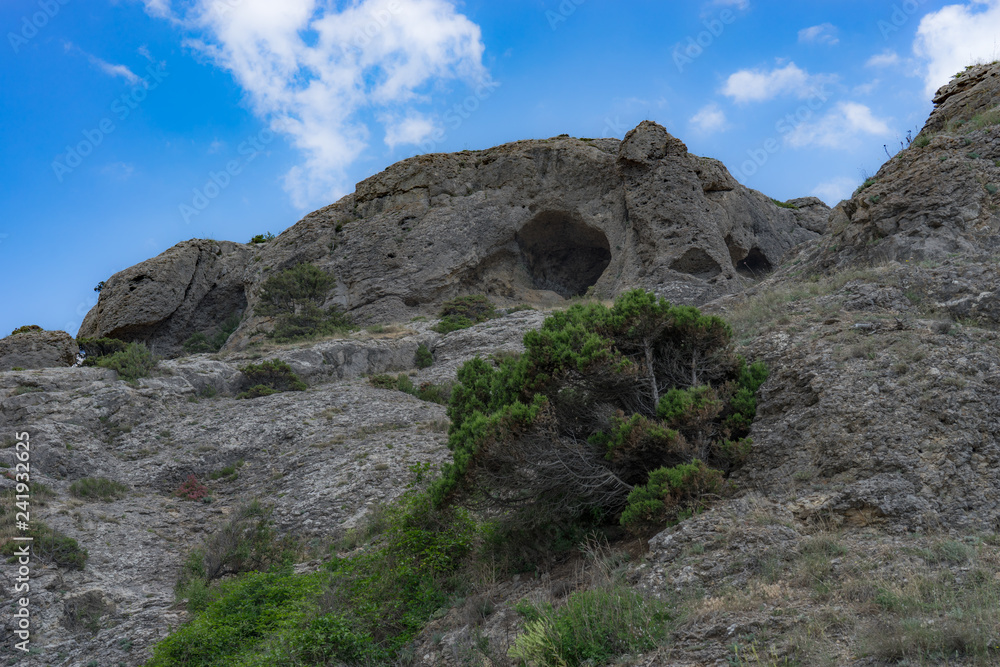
[98, 488]
[426, 391]
[463, 312]
[270, 377]
[50, 545]
[134, 362]
[592, 628]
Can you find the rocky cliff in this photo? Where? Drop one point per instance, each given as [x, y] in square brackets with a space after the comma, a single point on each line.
[531, 221]
[864, 527]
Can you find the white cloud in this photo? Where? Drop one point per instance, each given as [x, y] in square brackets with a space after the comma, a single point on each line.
[824, 33]
[110, 69]
[759, 85]
[841, 128]
[867, 88]
[709, 119]
[316, 72]
[411, 129]
[835, 190]
[885, 59]
[956, 36]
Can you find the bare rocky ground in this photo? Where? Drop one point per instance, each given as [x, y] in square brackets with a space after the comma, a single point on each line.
[872, 476]
[322, 458]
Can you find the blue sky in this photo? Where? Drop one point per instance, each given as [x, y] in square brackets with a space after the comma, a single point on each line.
[131, 125]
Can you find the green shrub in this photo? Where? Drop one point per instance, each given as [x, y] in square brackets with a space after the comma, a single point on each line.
[361, 609]
[620, 392]
[311, 322]
[463, 312]
[98, 488]
[922, 141]
[294, 297]
[257, 391]
[262, 238]
[25, 329]
[245, 542]
[51, 546]
[783, 204]
[427, 391]
[983, 120]
[867, 184]
[660, 500]
[134, 362]
[287, 290]
[203, 342]
[592, 628]
[269, 377]
[99, 347]
[423, 358]
[239, 618]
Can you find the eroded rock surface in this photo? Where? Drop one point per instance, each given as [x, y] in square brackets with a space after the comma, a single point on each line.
[37, 349]
[531, 221]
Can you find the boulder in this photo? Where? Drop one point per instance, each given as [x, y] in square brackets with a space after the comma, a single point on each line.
[37, 349]
[190, 288]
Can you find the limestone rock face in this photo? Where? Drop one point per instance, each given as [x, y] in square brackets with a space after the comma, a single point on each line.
[938, 197]
[187, 289]
[37, 349]
[536, 221]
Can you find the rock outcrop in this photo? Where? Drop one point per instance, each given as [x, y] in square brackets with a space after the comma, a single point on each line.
[938, 197]
[883, 406]
[37, 349]
[536, 221]
[190, 288]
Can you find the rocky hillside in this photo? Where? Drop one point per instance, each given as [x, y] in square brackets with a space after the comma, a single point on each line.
[863, 529]
[531, 221]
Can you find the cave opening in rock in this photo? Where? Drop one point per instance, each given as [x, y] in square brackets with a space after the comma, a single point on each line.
[563, 254]
[754, 265]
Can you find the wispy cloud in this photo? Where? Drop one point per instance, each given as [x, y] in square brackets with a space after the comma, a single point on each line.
[760, 85]
[841, 128]
[316, 72]
[411, 129]
[824, 33]
[709, 119]
[956, 36]
[110, 69]
[885, 59]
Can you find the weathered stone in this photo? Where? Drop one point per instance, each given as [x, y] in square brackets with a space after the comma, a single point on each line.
[530, 221]
[37, 349]
[190, 288]
[937, 198]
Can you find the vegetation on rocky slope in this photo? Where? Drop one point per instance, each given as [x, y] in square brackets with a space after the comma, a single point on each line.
[295, 298]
